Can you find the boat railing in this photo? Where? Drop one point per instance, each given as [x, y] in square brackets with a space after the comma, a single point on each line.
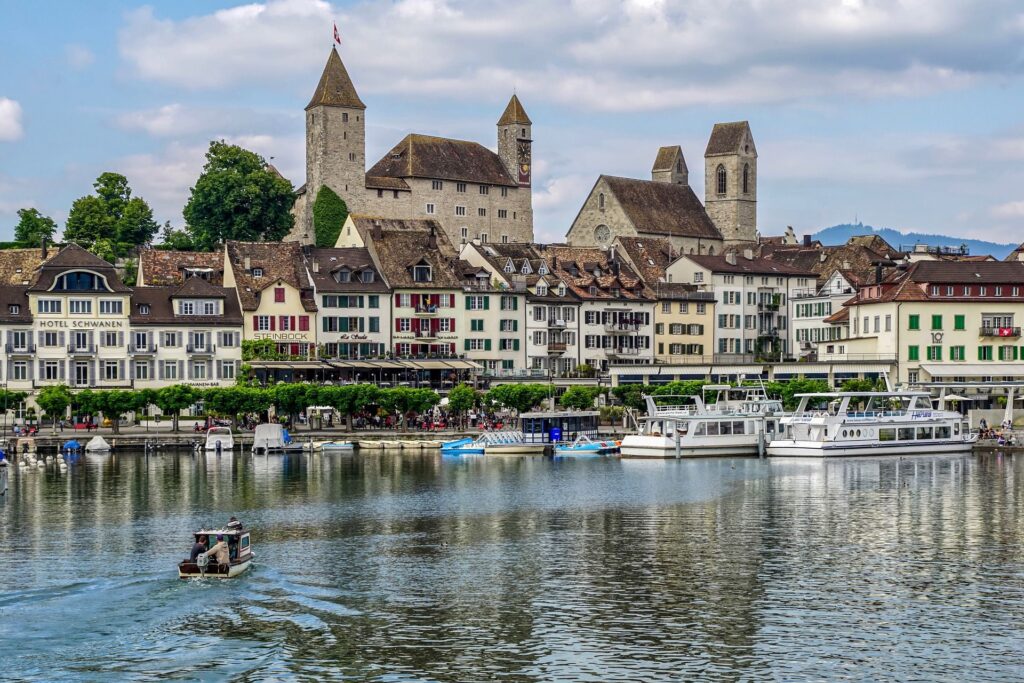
[869, 414]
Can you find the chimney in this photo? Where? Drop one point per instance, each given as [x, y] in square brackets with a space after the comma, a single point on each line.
[878, 272]
[247, 263]
[376, 232]
[611, 254]
[730, 258]
[44, 248]
[316, 266]
[822, 257]
[432, 240]
[807, 240]
[748, 254]
[846, 265]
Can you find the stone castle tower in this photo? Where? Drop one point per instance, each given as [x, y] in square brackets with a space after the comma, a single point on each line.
[335, 139]
[515, 141]
[730, 182]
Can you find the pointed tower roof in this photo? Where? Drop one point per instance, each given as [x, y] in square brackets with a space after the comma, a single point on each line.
[335, 88]
[514, 113]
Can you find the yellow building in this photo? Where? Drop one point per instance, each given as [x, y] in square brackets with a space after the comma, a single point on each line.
[683, 323]
[275, 294]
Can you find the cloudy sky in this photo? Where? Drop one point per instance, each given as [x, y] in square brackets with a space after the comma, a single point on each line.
[902, 113]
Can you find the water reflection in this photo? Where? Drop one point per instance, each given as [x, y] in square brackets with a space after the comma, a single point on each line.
[397, 567]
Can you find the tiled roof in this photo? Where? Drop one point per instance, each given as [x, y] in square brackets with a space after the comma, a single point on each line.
[755, 266]
[385, 183]
[159, 267]
[678, 291]
[514, 113]
[401, 244]
[839, 317]
[666, 159]
[330, 260]
[967, 272]
[71, 257]
[16, 295]
[335, 88]
[649, 256]
[197, 287]
[857, 257]
[18, 266]
[161, 307]
[726, 137]
[576, 266]
[280, 262]
[425, 156]
[662, 208]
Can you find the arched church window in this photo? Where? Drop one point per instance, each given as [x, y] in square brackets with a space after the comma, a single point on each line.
[600, 200]
[746, 178]
[721, 179]
[711, 251]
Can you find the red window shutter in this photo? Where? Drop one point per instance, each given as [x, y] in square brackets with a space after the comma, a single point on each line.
[398, 324]
[271, 323]
[398, 298]
[292, 325]
[415, 300]
[304, 323]
[279, 295]
[255, 322]
[415, 324]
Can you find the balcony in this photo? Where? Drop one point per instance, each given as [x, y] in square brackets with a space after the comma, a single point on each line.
[429, 310]
[622, 326]
[425, 334]
[556, 324]
[20, 348]
[200, 349]
[768, 306]
[999, 332]
[625, 351]
[142, 349]
[81, 349]
[556, 348]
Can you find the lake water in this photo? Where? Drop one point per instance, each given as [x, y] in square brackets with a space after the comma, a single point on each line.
[421, 568]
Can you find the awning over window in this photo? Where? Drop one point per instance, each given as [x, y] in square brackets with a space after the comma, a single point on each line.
[974, 369]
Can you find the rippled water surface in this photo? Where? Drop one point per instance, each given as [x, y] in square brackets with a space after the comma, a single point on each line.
[420, 568]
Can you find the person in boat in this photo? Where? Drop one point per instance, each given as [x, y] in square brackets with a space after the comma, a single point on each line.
[233, 523]
[219, 551]
[198, 549]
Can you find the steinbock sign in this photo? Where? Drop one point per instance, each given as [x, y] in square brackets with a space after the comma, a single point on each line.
[283, 336]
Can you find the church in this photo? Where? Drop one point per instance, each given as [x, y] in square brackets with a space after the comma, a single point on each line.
[471, 192]
[666, 207]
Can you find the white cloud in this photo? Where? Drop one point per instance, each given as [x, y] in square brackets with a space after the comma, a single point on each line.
[1014, 210]
[10, 120]
[79, 56]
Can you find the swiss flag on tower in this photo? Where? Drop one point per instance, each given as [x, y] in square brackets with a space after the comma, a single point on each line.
[337, 36]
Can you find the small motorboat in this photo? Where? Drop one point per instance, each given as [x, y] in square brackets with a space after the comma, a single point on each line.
[336, 446]
[97, 444]
[273, 438]
[584, 445]
[411, 444]
[466, 446]
[71, 447]
[512, 443]
[370, 445]
[239, 550]
[219, 439]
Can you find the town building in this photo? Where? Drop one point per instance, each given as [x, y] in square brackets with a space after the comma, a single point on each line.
[275, 295]
[353, 302]
[664, 207]
[813, 309]
[616, 311]
[752, 300]
[684, 323]
[943, 321]
[470, 191]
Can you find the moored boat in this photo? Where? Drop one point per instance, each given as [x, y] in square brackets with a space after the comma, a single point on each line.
[512, 443]
[838, 424]
[273, 438]
[219, 439]
[337, 446]
[240, 555]
[465, 446]
[97, 444]
[370, 445]
[584, 445]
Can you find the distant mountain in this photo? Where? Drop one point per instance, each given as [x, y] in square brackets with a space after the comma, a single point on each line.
[839, 234]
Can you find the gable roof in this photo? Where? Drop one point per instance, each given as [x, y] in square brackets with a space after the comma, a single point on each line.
[71, 257]
[399, 244]
[335, 88]
[743, 265]
[280, 262]
[159, 267]
[666, 158]
[426, 156]
[161, 307]
[575, 266]
[726, 138]
[197, 287]
[329, 260]
[649, 256]
[967, 272]
[662, 208]
[514, 113]
[15, 295]
[19, 266]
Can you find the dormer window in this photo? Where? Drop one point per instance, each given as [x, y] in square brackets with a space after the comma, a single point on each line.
[526, 270]
[186, 308]
[593, 290]
[366, 276]
[561, 290]
[257, 272]
[422, 273]
[344, 275]
[14, 309]
[143, 309]
[542, 269]
[509, 267]
[542, 289]
[78, 282]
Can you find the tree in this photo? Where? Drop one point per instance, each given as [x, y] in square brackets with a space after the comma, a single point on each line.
[632, 395]
[33, 227]
[238, 197]
[260, 349]
[518, 397]
[462, 398]
[54, 401]
[174, 399]
[579, 398]
[291, 399]
[111, 214]
[115, 404]
[798, 385]
[349, 399]
[175, 240]
[329, 214]
[233, 401]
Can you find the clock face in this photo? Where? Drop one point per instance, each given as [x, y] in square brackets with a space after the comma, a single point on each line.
[602, 234]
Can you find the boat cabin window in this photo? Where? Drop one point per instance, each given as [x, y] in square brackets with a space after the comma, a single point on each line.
[956, 429]
[906, 433]
[942, 432]
[924, 432]
[712, 428]
[887, 434]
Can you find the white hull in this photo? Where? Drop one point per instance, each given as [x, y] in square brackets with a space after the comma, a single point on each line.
[514, 449]
[815, 449]
[233, 571]
[640, 446]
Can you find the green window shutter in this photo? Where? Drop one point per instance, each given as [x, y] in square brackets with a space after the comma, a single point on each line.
[467, 303]
[914, 322]
[912, 353]
[487, 303]
[515, 345]
[515, 325]
[515, 303]
[936, 322]
[958, 322]
[487, 344]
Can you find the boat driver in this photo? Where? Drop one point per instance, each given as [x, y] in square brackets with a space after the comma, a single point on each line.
[219, 551]
[198, 549]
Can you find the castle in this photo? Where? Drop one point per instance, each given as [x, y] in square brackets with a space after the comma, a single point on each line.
[471, 192]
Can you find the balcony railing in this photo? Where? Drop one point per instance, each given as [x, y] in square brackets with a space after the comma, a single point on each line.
[625, 351]
[201, 349]
[624, 326]
[425, 334]
[426, 310]
[556, 348]
[556, 323]
[1000, 332]
[20, 348]
[81, 348]
[142, 348]
[768, 306]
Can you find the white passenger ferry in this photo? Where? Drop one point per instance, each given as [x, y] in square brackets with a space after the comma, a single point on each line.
[739, 421]
[838, 424]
